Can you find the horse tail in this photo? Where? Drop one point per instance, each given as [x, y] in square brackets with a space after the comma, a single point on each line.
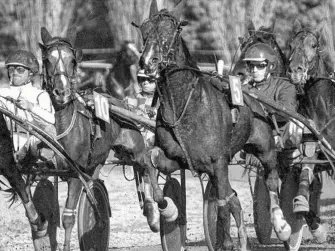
[11, 194]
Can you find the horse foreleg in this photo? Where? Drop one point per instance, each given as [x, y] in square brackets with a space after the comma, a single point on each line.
[69, 213]
[318, 231]
[156, 159]
[224, 193]
[280, 225]
[301, 201]
[236, 210]
[150, 209]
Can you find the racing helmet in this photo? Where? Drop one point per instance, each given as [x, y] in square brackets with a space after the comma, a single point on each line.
[260, 52]
[23, 58]
[141, 74]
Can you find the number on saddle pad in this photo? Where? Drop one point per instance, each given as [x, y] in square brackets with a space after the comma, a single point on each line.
[236, 91]
[101, 107]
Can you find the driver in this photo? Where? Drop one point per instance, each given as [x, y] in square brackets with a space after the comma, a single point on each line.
[261, 61]
[29, 103]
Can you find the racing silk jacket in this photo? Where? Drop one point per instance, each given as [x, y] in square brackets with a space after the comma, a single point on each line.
[280, 91]
[42, 114]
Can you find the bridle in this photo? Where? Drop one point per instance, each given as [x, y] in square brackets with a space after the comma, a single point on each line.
[50, 78]
[311, 65]
[166, 58]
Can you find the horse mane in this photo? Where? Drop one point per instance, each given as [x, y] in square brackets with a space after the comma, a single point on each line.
[327, 56]
[189, 60]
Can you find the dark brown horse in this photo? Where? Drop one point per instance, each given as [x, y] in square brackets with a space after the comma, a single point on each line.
[121, 80]
[86, 146]
[309, 67]
[194, 127]
[262, 35]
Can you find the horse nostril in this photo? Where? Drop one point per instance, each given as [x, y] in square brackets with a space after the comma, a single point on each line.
[154, 60]
[56, 92]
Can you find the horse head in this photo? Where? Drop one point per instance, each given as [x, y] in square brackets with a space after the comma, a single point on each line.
[161, 38]
[262, 35]
[304, 53]
[60, 61]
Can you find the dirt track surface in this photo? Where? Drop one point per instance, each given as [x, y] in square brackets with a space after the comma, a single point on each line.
[129, 230]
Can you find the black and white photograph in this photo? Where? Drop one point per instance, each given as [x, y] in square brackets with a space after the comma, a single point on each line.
[167, 125]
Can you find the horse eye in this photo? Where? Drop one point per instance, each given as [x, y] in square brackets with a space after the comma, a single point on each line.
[314, 46]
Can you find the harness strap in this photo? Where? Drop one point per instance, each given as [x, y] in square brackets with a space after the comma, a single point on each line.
[66, 132]
[69, 212]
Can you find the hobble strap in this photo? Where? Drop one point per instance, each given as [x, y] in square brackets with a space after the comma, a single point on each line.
[223, 202]
[69, 212]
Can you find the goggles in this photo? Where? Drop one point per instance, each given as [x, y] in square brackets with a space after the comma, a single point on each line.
[259, 66]
[19, 69]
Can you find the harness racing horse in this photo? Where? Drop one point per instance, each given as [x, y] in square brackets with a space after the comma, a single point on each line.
[87, 146]
[194, 128]
[122, 79]
[119, 81]
[309, 68]
[262, 35]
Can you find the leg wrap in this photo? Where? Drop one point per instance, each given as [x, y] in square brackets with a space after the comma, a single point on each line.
[68, 217]
[223, 202]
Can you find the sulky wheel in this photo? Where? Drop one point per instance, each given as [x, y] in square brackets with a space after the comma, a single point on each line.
[262, 217]
[289, 189]
[93, 231]
[210, 216]
[173, 234]
[45, 200]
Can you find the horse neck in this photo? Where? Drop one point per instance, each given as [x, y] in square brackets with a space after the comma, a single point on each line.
[63, 118]
[319, 98]
[121, 73]
[178, 80]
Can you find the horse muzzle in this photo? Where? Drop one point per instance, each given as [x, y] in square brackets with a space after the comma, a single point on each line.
[62, 96]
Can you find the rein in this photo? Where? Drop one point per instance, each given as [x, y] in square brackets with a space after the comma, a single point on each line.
[73, 120]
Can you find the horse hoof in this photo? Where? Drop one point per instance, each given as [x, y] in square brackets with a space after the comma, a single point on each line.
[152, 213]
[282, 228]
[320, 234]
[170, 213]
[300, 204]
[42, 244]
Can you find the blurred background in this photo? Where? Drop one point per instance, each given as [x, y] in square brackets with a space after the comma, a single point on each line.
[102, 25]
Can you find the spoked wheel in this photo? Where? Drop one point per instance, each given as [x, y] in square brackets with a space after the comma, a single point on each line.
[45, 199]
[210, 216]
[262, 217]
[93, 231]
[289, 189]
[173, 234]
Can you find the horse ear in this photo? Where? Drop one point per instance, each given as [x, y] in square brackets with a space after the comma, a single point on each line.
[43, 49]
[297, 26]
[178, 10]
[153, 8]
[272, 27]
[72, 35]
[79, 55]
[251, 27]
[45, 35]
[320, 27]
